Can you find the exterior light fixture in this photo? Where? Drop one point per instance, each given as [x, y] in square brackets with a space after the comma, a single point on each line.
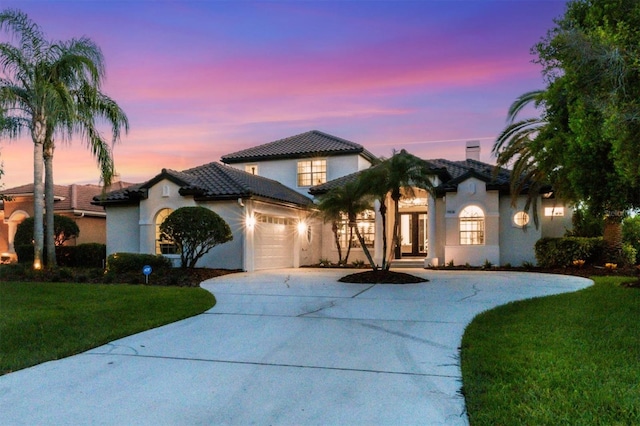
[302, 227]
[251, 222]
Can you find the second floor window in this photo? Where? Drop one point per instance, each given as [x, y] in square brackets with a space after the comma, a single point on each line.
[312, 172]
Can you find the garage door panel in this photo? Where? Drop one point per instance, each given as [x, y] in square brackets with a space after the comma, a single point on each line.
[273, 244]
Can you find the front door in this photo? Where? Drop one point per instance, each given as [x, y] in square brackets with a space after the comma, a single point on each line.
[413, 234]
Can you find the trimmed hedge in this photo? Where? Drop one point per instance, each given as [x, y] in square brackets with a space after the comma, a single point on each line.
[90, 255]
[134, 262]
[561, 252]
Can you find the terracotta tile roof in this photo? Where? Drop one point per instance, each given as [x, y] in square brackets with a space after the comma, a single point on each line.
[213, 181]
[67, 197]
[304, 145]
[451, 174]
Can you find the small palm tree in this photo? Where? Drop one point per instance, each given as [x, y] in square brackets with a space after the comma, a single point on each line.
[348, 200]
[514, 147]
[396, 176]
[53, 89]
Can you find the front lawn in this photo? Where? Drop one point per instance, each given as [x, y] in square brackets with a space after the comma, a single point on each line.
[45, 321]
[566, 359]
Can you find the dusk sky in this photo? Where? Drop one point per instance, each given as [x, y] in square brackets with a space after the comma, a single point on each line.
[200, 79]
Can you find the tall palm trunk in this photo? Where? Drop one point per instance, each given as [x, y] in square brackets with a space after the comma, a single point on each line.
[336, 238]
[49, 200]
[383, 214]
[363, 244]
[38, 195]
[395, 249]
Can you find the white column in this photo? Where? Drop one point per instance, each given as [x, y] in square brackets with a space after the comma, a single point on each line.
[431, 232]
[378, 255]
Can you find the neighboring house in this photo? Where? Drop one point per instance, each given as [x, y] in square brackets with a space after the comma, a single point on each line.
[73, 201]
[262, 192]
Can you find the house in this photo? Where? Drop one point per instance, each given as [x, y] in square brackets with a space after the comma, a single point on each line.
[265, 194]
[74, 201]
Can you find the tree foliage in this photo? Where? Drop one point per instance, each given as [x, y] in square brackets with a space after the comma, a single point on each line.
[64, 229]
[591, 61]
[51, 89]
[195, 231]
[348, 200]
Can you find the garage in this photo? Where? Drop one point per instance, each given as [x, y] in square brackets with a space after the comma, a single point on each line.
[274, 242]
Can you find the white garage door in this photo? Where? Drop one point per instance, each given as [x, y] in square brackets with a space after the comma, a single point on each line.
[273, 242]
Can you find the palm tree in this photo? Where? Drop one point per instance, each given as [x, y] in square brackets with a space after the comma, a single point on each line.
[54, 89]
[514, 147]
[396, 176]
[348, 200]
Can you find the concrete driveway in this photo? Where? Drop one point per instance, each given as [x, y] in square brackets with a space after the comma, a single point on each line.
[281, 348]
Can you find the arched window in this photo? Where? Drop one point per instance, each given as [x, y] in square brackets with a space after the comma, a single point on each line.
[472, 226]
[162, 245]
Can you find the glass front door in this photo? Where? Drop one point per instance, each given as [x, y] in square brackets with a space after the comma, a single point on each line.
[413, 234]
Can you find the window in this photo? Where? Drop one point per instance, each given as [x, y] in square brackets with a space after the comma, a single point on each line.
[163, 246]
[366, 225]
[521, 219]
[251, 168]
[472, 226]
[312, 172]
[553, 211]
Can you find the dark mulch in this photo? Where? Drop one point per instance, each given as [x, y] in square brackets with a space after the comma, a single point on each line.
[382, 277]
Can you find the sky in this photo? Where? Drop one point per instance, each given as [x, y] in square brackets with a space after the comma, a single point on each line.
[201, 79]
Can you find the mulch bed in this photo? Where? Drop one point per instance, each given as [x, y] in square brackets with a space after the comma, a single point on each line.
[382, 277]
[394, 277]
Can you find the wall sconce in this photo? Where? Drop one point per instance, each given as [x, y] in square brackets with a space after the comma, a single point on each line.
[302, 228]
[251, 222]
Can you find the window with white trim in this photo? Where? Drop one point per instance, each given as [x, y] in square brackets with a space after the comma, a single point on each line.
[312, 172]
[554, 211]
[164, 246]
[366, 222]
[472, 226]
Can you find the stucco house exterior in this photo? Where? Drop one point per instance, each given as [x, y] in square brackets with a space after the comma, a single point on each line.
[266, 194]
[74, 201]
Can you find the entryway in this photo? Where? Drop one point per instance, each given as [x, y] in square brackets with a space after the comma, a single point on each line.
[413, 235]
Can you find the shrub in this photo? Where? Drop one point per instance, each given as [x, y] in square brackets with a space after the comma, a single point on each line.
[629, 254]
[65, 229]
[561, 252]
[119, 263]
[90, 255]
[631, 233]
[195, 231]
[24, 253]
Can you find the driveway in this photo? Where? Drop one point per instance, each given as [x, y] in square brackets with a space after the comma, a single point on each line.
[283, 347]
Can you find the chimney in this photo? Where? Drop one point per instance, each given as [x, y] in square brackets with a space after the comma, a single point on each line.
[473, 150]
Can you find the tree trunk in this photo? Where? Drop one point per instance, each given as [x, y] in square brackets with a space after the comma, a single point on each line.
[395, 243]
[365, 249]
[38, 193]
[346, 256]
[336, 239]
[612, 236]
[50, 242]
[383, 214]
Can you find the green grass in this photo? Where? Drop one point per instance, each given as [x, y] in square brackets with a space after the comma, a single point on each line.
[45, 321]
[570, 359]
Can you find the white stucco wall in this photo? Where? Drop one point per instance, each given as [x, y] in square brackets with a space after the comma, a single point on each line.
[556, 226]
[286, 171]
[518, 244]
[472, 192]
[123, 233]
